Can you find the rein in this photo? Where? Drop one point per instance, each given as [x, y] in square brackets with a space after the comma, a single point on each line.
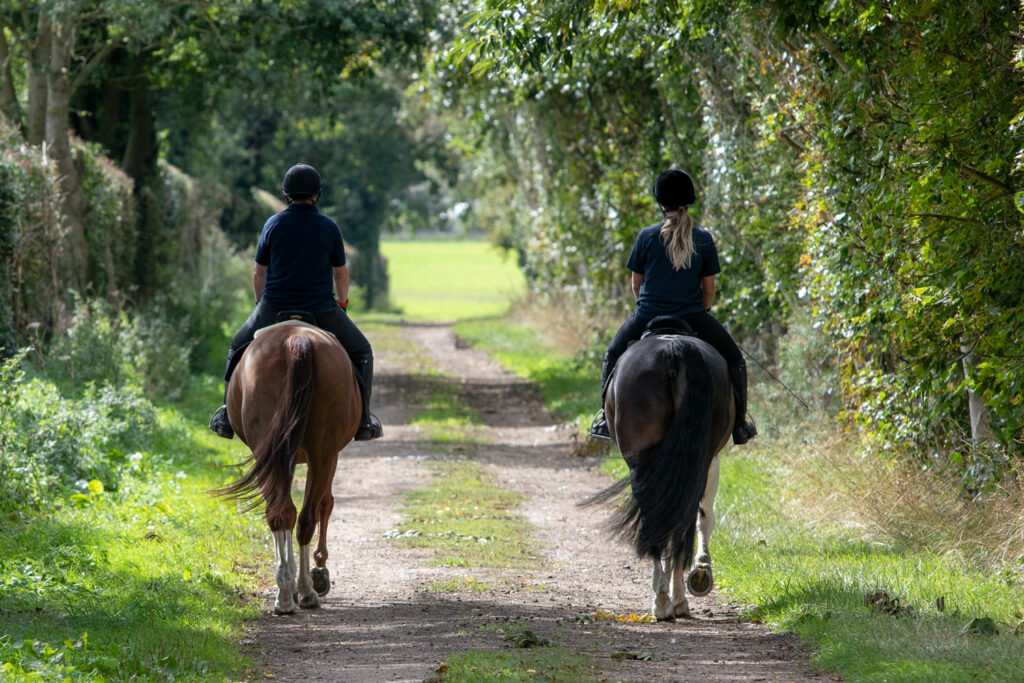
[779, 381]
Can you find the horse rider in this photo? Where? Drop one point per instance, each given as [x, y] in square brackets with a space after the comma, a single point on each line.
[673, 266]
[300, 266]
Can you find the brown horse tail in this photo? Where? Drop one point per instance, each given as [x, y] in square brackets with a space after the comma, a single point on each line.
[661, 513]
[273, 458]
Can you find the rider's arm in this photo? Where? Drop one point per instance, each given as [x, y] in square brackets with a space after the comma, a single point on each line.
[638, 279]
[259, 280]
[341, 283]
[707, 285]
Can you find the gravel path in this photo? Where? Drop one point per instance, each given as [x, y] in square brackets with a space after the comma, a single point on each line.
[381, 623]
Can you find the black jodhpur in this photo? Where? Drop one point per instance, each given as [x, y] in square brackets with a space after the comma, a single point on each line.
[334, 320]
[708, 329]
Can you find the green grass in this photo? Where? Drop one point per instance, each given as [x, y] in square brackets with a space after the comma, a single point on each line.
[814, 580]
[451, 280]
[153, 581]
[467, 519]
[526, 665]
[440, 413]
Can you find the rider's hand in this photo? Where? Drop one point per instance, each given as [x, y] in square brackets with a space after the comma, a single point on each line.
[343, 304]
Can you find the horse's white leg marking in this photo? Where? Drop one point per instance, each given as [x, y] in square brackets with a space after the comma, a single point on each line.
[307, 596]
[706, 521]
[285, 603]
[700, 579]
[659, 583]
[680, 607]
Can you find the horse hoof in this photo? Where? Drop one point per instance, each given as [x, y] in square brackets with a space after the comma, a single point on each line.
[700, 580]
[281, 610]
[663, 609]
[682, 611]
[321, 580]
[311, 601]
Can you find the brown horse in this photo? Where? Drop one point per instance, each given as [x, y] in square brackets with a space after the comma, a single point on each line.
[670, 410]
[294, 399]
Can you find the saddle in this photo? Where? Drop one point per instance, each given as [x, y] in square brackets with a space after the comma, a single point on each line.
[668, 324]
[284, 318]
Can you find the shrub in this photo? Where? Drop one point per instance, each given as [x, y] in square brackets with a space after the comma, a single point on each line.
[50, 445]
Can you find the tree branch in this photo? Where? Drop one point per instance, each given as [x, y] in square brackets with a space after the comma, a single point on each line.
[95, 61]
[944, 217]
[987, 179]
[784, 136]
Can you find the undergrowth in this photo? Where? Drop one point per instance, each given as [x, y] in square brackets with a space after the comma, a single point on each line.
[152, 579]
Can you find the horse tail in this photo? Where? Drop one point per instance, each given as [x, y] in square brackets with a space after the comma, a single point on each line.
[660, 516]
[273, 458]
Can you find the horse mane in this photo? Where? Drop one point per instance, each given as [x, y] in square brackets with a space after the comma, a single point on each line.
[273, 458]
[667, 486]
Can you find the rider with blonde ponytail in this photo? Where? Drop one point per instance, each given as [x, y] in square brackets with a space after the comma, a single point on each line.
[673, 268]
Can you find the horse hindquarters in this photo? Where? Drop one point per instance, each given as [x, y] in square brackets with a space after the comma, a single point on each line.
[275, 443]
[668, 478]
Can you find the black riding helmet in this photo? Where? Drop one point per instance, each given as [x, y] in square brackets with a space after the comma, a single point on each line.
[673, 189]
[301, 182]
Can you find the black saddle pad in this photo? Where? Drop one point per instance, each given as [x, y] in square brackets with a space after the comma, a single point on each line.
[668, 324]
[304, 316]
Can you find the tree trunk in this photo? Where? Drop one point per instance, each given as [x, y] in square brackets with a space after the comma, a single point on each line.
[38, 79]
[8, 98]
[140, 162]
[58, 98]
[981, 420]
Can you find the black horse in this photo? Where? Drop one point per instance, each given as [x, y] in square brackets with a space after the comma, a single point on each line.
[670, 409]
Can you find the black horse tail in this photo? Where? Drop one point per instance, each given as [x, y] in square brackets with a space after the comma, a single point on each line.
[273, 458]
[659, 518]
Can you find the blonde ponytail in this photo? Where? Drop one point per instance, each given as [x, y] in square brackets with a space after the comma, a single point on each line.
[677, 236]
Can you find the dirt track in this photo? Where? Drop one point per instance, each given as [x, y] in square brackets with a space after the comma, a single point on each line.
[379, 622]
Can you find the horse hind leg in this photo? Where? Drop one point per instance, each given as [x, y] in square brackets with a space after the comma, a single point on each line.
[680, 607]
[285, 575]
[663, 609]
[316, 508]
[701, 580]
[321, 575]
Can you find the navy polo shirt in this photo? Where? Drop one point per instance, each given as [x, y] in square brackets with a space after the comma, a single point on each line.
[665, 290]
[300, 248]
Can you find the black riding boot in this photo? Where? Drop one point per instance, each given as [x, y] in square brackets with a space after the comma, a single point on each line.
[743, 430]
[599, 425]
[220, 424]
[369, 426]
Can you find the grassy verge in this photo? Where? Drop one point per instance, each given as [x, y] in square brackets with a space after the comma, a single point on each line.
[152, 581]
[467, 519]
[870, 607]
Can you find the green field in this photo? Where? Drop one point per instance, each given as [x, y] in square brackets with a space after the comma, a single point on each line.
[451, 280]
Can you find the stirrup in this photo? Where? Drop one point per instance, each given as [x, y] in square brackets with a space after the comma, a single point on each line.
[371, 430]
[744, 433]
[220, 424]
[599, 427]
